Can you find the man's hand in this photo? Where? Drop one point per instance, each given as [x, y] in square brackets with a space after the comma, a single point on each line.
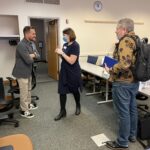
[107, 68]
[35, 53]
[32, 55]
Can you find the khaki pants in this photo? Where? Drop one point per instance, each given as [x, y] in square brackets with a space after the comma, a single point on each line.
[25, 93]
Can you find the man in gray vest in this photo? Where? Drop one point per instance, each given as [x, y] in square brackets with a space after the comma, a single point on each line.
[25, 56]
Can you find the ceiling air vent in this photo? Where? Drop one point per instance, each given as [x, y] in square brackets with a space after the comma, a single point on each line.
[35, 1]
[57, 2]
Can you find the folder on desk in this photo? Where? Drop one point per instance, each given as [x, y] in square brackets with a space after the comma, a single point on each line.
[110, 62]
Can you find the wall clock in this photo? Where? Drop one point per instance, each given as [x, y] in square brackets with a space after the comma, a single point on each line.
[98, 6]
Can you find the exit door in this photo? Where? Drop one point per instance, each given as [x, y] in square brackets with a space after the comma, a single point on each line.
[53, 61]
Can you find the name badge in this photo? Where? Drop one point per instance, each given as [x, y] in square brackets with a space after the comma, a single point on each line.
[65, 47]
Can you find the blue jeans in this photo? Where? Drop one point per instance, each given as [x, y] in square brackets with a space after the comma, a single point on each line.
[124, 99]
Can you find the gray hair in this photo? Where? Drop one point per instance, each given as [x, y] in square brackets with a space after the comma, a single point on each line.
[126, 23]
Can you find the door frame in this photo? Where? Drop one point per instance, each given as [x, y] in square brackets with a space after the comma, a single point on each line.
[48, 19]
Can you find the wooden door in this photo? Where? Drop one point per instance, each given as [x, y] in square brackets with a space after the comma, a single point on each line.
[52, 45]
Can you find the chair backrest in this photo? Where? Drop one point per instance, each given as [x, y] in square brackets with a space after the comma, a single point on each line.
[17, 141]
[141, 96]
[2, 91]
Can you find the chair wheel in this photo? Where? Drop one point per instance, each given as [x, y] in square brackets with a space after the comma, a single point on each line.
[11, 116]
[34, 103]
[17, 106]
[36, 98]
[16, 125]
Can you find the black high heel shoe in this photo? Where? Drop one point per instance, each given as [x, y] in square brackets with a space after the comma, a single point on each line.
[62, 114]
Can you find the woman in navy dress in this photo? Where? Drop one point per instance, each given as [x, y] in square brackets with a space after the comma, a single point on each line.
[70, 73]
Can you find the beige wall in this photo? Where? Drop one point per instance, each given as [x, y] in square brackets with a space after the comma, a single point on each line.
[93, 38]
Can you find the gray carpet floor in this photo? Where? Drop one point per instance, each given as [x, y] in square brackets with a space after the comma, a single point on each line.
[42, 72]
[72, 132]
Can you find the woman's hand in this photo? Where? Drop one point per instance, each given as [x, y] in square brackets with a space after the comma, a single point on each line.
[59, 51]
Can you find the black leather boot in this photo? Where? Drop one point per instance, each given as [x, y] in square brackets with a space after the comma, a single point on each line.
[78, 109]
[62, 114]
[77, 100]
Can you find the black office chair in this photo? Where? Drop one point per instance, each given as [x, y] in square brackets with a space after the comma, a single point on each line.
[16, 142]
[142, 97]
[86, 77]
[143, 133]
[6, 107]
[14, 89]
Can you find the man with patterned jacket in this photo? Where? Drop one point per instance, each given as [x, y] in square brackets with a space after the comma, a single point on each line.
[124, 86]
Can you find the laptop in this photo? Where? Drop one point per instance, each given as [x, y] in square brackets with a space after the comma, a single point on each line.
[92, 59]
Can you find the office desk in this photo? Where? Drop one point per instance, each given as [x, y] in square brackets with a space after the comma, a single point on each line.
[96, 71]
[145, 91]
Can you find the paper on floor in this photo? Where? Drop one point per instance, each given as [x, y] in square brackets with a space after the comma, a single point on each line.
[100, 139]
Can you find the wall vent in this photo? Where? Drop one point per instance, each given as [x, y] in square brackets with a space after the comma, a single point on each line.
[56, 2]
[35, 1]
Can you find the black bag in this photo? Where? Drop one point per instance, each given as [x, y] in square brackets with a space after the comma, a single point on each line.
[141, 68]
[143, 124]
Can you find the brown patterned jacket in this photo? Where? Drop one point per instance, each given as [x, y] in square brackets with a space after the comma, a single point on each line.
[125, 56]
